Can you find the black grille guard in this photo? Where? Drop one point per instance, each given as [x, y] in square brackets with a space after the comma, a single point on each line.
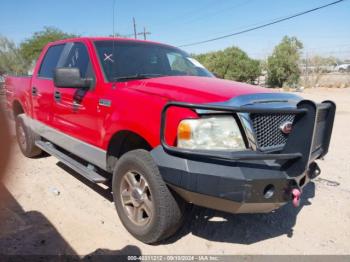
[299, 149]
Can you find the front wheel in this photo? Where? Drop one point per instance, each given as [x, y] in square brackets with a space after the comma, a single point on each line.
[145, 205]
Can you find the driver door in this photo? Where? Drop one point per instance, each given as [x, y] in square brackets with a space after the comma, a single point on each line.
[76, 108]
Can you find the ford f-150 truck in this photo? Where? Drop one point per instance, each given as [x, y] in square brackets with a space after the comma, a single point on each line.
[162, 131]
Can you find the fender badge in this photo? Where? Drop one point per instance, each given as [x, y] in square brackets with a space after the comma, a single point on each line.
[286, 127]
[105, 102]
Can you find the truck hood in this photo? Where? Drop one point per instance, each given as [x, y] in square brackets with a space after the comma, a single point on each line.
[193, 89]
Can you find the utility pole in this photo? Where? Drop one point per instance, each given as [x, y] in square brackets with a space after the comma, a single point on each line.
[135, 34]
[145, 33]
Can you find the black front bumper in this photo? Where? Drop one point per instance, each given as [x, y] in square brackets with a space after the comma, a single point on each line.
[236, 187]
[250, 181]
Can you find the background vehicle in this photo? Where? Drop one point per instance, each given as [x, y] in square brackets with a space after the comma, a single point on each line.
[343, 68]
[167, 130]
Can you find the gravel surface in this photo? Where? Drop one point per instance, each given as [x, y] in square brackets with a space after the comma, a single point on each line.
[51, 210]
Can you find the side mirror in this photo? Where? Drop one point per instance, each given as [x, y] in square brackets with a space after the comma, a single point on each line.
[69, 77]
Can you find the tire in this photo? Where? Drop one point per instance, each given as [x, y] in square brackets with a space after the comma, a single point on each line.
[26, 138]
[166, 214]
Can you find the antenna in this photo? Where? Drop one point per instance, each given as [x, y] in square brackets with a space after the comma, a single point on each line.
[114, 1]
[113, 44]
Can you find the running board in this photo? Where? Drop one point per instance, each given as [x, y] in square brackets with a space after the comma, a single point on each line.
[85, 171]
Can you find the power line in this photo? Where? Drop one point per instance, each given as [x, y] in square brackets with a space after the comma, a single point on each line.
[328, 47]
[215, 13]
[186, 14]
[264, 25]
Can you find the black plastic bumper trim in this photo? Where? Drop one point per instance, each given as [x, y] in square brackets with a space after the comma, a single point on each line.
[224, 204]
[233, 181]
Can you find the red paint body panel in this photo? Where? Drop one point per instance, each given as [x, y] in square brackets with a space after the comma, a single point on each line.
[135, 105]
[17, 90]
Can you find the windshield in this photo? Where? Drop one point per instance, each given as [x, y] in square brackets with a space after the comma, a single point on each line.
[125, 60]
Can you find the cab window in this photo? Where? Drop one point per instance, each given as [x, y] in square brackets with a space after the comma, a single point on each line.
[50, 61]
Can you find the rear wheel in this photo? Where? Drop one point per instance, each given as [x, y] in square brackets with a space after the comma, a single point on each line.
[26, 138]
[145, 205]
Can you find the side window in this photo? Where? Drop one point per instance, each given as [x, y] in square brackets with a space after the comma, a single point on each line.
[79, 57]
[179, 64]
[50, 61]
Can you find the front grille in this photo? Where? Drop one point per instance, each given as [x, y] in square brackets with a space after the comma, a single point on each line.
[267, 130]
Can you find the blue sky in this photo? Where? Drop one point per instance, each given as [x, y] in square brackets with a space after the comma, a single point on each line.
[325, 32]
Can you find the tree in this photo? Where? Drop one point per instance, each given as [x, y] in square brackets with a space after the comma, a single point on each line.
[231, 63]
[283, 64]
[11, 60]
[32, 47]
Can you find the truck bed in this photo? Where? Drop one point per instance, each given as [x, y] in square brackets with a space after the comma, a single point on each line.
[17, 87]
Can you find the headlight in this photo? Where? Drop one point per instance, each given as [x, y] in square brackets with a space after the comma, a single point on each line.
[213, 133]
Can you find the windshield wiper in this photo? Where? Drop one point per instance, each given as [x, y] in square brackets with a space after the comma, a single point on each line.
[136, 76]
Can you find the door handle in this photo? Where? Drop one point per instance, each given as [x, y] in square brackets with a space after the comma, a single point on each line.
[57, 96]
[34, 91]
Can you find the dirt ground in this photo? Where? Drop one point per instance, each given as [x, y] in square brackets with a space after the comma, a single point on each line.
[51, 210]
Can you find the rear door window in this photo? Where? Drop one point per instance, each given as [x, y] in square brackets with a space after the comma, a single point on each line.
[50, 61]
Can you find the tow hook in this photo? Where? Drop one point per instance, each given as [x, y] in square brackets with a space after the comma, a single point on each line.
[296, 197]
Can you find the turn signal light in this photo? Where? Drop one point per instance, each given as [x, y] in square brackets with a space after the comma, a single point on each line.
[184, 131]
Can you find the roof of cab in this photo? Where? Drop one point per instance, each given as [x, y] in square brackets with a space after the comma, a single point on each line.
[93, 39]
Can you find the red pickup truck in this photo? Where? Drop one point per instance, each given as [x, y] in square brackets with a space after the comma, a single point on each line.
[161, 130]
